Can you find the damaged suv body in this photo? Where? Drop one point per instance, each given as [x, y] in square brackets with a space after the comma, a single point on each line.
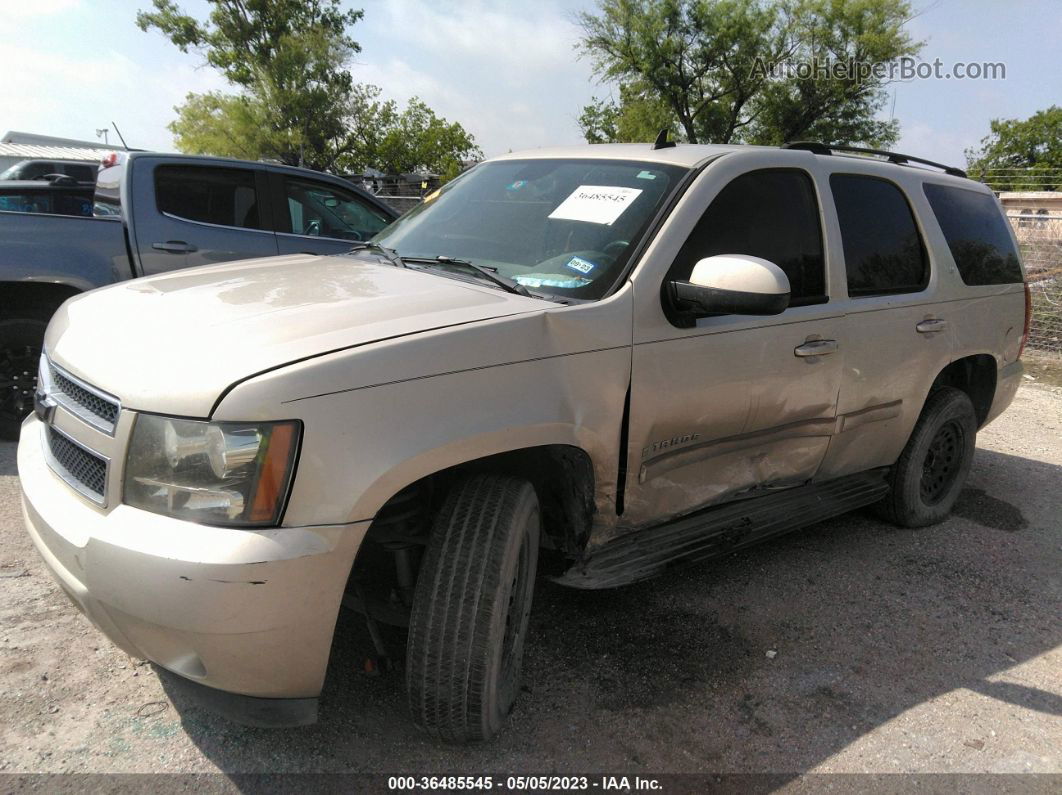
[635, 357]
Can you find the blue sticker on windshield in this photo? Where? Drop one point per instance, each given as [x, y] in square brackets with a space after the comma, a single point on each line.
[517, 185]
[581, 265]
[646, 175]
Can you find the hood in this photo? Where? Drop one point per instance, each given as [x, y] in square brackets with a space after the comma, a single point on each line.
[173, 343]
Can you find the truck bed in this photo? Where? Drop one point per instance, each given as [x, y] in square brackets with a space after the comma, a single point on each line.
[82, 252]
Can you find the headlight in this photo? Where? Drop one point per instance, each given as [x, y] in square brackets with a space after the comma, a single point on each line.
[223, 473]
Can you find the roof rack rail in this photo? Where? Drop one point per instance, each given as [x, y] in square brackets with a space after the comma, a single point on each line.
[893, 157]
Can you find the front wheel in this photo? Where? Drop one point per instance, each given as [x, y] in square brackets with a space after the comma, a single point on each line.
[927, 480]
[471, 608]
[21, 341]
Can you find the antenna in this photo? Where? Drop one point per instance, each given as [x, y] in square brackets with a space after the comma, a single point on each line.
[662, 142]
[120, 138]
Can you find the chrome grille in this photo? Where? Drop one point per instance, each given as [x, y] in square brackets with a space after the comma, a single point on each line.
[83, 470]
[91, 405]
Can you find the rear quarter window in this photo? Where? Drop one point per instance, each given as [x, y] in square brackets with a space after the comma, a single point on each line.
[977, 234]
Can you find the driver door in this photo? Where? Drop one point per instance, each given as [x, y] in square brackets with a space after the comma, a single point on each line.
[733, 406]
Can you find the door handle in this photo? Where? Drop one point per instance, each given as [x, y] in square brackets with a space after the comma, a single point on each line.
[816, 348]
[930, 325]
[174, 247]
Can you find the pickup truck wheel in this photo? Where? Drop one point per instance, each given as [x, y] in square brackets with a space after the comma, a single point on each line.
[932, 469]
[21, 341]
[471, 608]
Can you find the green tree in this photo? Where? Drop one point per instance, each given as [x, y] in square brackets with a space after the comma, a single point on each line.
[399, 141]
[639, 116]
[288, 56]
[297, 102]
[719, 66]
[230, 125]
[1021, 154]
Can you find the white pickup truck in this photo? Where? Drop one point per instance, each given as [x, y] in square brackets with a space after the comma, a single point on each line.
[635, 356]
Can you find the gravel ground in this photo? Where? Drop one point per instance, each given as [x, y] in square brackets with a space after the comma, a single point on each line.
[849, 647]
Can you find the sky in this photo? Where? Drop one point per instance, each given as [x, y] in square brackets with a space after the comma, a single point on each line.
[509, 70]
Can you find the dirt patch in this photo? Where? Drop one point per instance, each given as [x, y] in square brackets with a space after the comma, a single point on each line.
[1042, 368]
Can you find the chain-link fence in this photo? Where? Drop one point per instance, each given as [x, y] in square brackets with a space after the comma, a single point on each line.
[1032, 200]
[1040, 238]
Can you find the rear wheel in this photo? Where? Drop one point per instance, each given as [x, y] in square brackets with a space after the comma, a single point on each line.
[21, 341]
[927, 480]
[470, 612]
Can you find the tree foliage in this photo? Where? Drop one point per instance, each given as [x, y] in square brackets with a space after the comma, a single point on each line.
[398, 141]
[1021, 154]
[297, 102]
[717, 68]
[639, 116]
[229, 125]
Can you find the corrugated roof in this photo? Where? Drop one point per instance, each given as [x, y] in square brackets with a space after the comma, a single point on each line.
[34, 152]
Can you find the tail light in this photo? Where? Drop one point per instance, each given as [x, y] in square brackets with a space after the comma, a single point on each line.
[1028, 320]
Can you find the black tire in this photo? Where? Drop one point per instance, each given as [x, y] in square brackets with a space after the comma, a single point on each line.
[471, 608]
[926, 481]
[21, 342]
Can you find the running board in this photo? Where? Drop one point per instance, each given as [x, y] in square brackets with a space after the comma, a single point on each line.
[642, 554]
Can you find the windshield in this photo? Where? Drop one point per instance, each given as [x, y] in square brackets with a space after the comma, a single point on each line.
[564, 227]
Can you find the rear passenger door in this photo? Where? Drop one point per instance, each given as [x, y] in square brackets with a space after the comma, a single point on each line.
[897, 329]
[191, 214]
[319, 217]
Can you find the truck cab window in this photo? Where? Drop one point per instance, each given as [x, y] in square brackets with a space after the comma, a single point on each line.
[321, 210]
[221, 196]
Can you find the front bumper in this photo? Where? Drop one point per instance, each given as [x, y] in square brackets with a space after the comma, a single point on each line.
[250, 612]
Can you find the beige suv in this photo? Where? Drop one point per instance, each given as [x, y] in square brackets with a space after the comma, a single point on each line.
[632, 356]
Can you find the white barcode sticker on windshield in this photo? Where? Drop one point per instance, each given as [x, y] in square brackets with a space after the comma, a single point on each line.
[595, 204]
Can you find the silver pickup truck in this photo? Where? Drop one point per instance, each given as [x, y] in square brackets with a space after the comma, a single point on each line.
[156, 213]
[632, 356]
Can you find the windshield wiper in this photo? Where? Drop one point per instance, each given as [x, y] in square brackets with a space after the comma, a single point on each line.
[507, 284]
[388, 253]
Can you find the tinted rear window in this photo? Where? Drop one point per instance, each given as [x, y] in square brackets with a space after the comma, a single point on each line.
[977, 235]
[32, 170]
[80, 172]
[883, 251]
[222, 196]
[47, 202]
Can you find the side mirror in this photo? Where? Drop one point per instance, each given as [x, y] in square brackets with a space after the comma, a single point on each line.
[729, 284]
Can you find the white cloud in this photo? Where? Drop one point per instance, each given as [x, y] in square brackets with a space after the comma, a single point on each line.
[508, 74]
[16, 9]
[946, 147]
[72, 96]
[524, 39]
